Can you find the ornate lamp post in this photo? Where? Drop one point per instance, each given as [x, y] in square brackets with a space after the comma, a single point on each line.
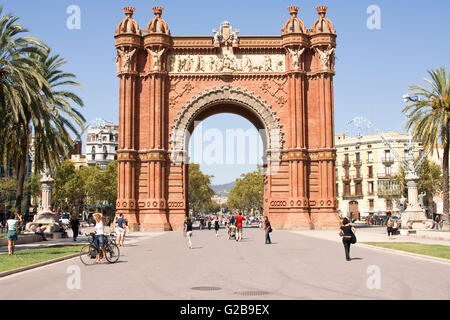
[413, 217]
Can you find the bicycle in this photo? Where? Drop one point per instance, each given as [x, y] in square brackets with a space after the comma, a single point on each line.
[89, 252]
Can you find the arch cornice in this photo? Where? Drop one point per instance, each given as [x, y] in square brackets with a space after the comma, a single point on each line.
[232, 95]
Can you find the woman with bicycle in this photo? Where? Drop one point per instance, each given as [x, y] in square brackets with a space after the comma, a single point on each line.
[100, 235]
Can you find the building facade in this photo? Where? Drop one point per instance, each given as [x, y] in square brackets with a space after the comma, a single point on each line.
[101, 145]
[364, 169]
[283, 84]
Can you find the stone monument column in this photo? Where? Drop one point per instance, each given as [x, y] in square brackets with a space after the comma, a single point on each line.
[128, 45]
[322, 150]
[154, 212]
[296, 43]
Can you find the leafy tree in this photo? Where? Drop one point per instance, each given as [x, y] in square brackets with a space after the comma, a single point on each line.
[69, 187]
[430, 180]
[429, 118]
[248, 193]
[109, 181]
[200, 192]
[7, 188]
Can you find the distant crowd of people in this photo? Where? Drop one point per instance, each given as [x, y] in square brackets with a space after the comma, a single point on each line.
[233, 226]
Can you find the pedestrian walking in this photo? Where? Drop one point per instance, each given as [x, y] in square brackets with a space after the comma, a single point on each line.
[209, 223]
[216, 226]
[188, 231]
[268, 229]
[437, 220]
[347, 233]
[100, 235]
[75, 226]
[120, 227]
[390, 225]
[12, 226]
[239, 219]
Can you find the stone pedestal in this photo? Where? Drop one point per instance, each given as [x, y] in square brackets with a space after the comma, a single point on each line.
[413, 218]
[48, 219]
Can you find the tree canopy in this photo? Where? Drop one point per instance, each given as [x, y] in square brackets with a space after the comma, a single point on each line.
[248, 193]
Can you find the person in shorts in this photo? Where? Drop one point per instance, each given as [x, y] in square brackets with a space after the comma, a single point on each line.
[11, 225]
[120, 227]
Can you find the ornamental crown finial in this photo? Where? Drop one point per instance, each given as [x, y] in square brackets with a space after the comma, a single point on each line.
[129, 11]
[293, 10]
[322, 10]
[158, 11]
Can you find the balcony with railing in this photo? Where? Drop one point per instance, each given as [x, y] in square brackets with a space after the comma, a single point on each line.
[346, 163]
[357, 177]
[357, 163]
[352, 195]
[346, 178]
[387, 160]
[385, 175]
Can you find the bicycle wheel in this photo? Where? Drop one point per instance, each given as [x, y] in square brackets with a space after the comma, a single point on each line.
[112, 253]
[88, 254]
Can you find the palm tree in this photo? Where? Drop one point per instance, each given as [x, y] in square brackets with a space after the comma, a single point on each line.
[429, 118]
[35, 103]
[18, 79]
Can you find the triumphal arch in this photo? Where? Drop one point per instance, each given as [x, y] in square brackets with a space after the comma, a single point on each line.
[283, 84]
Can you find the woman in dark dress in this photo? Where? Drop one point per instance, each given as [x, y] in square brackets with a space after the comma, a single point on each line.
[216, 226]
[347, 232]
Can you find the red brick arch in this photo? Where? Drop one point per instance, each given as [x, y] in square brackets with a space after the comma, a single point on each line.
[282, 84]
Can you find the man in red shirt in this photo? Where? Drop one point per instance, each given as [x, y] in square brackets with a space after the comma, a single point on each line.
[239, 220]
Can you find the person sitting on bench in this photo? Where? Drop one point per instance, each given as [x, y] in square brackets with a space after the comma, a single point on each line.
[40, 231]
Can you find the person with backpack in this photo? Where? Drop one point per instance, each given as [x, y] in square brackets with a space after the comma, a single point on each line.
[347, 233]
[120, 227]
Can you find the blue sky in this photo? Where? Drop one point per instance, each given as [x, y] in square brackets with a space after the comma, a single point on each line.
[374, 67]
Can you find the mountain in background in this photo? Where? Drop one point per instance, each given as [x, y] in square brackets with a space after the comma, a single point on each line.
[223, 190]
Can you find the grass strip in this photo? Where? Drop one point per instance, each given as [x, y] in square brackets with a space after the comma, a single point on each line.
[433, 250]
[28, 257]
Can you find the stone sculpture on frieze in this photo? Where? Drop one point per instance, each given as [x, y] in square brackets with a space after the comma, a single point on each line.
[226, 62]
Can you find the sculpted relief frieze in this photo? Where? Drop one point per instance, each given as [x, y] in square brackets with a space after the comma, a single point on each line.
[226, 62]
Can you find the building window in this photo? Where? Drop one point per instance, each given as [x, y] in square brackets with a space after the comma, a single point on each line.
[346, 189]
[387, 155]
[369, 157]
[370, 187]
[358, 188]
[337, 189]
[387, 170]
[388, 204]
[358, 157]
[371, 204]
[370, 169]
[346, 161]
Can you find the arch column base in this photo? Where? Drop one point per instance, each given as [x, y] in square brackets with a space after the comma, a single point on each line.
[325, 219]
[154, 222]
[291, 220]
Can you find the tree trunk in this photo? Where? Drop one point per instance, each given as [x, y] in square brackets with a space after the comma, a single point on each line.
[445, 171]
[20, 182]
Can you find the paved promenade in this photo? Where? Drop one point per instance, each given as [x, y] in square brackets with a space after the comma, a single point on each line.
[295, 266]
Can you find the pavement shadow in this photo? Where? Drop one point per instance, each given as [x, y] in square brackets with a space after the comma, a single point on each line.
[357, 259]
[196, 248]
